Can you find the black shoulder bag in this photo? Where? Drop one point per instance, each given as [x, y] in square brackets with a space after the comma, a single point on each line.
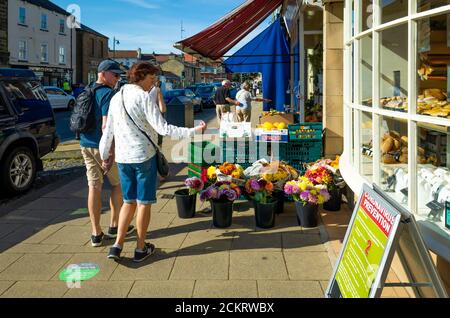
[162, 163]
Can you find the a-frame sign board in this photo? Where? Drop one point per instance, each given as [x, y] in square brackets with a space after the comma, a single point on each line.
[380, 227]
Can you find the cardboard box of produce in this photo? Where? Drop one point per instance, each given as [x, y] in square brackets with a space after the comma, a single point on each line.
[277, 118]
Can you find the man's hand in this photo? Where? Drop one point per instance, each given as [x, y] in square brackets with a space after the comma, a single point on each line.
[107, 164]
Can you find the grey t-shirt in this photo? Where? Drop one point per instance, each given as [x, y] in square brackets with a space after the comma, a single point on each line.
[245, 98]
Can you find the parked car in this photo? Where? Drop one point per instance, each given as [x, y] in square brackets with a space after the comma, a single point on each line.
[207, 93]
[233, 89]
[27, 129]
[58, 98]
[196, 100]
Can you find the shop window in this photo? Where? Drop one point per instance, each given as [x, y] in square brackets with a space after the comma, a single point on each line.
[433, 66]
[394, 158]
[365, 70]
[424, 5]
[366, 146]
[394, 68]
[367, 15]
[433, 175]
[393, 10]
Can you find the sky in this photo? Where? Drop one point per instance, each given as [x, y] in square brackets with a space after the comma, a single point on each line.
[154, 25]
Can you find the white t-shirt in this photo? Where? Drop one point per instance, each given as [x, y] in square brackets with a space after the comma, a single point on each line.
[131, 146]
[245, 98]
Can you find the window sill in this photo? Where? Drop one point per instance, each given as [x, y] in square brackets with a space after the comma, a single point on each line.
[44, 63]
[24, 25]
[64, 64]
[63, 34]
[44, 30]
[22, 61]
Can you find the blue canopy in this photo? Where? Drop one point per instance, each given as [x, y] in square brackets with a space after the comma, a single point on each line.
[268, 54]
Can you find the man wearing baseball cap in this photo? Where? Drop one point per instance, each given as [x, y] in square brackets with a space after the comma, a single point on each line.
[108, 75]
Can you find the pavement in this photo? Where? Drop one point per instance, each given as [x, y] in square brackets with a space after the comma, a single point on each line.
[43, 236]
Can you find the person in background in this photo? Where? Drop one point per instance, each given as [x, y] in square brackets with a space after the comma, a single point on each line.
[255, 88]
[222, 99]
[158, 98]
[108, 75]
[244, 97]
[133, 119]
[66, 87]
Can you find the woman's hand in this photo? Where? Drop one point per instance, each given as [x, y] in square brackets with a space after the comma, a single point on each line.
[201, 127]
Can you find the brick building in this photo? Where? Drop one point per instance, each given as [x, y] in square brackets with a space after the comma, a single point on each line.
[92, 48]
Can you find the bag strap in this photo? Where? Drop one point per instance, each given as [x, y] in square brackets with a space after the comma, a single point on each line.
[143, 132]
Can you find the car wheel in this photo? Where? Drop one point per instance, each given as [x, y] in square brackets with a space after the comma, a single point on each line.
[19, 170]
[71, 105]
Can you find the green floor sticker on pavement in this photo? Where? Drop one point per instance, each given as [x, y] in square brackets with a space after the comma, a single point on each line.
[79, 272]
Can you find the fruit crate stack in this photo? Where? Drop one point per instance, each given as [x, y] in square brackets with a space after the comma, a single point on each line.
[202, 155]
[305, 145]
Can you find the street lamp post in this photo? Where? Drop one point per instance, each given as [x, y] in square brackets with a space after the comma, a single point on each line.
[114, 47]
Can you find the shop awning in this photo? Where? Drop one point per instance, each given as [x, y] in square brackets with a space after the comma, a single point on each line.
[219, 38]
[267, 53]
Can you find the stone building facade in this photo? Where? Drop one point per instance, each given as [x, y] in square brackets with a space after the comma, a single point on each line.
[4, 52]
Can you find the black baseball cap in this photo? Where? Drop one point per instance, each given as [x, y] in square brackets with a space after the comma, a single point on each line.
[111, 66]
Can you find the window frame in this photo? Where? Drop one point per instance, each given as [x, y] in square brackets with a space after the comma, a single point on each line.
[63, 50]
[353, 109]
[46, 53]
[25, 56]
[44, 22]
[24, 22]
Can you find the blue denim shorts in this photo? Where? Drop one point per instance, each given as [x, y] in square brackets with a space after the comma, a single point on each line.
[138, 181]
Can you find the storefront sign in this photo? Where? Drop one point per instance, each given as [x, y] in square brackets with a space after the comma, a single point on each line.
[366, 247]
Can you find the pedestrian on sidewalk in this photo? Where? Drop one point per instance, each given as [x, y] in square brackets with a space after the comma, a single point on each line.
[134, 121]
[108, 75]
[158, 99]
[255, 88]
[222, 100]
[244, 97]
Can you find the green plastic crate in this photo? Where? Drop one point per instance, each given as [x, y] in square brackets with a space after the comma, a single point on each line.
[302, 151]
[305, 131]
[202, 153]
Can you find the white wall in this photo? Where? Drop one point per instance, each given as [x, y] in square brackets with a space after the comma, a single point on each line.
[35, 37]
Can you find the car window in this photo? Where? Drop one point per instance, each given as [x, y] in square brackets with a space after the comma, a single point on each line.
[4, 112]
[54, 91]
[189, 93]
[205, 90]
[25, 90]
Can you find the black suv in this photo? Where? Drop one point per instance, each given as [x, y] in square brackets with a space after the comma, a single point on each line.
[27, 129]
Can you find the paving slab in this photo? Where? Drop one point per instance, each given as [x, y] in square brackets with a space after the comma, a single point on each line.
[156, 267]
[289, 289]
[295, 242]
[198, 223]
[257, 265]
[211, 239]
[7, 228]
[5, 285]
[43, 234]
[170, 207]
[70, 235]
[225, 289]
[31, 248]
[257, 241]
[77, 249]
[72, 220]
[162, 289]
[35, 267]
[36, 289]
[7, 259]
[193, 265]
[55, 204]
[95, 289]
[22, 233]
[308, 265]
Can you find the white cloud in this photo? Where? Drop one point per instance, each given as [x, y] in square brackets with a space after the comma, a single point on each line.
[142, 3]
